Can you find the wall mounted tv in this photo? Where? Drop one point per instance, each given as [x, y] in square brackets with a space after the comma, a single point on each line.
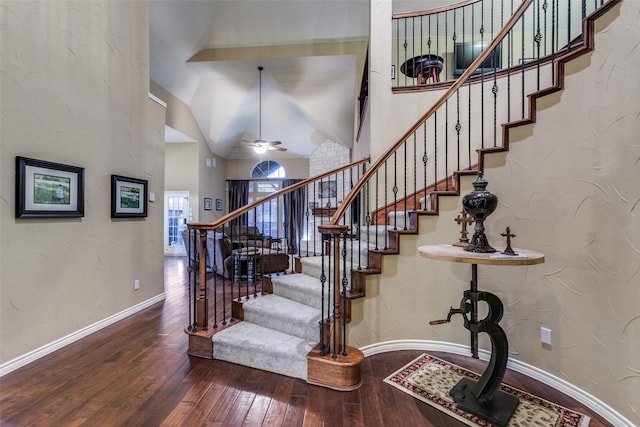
[465, 53]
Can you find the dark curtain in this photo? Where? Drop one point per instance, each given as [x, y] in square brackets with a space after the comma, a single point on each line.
[238, 197]
[294, 204]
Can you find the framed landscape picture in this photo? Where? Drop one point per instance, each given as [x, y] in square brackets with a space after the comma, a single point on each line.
[48, 190]
[128, 197]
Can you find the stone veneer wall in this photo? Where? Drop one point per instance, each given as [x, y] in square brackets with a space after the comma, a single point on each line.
[329, 155]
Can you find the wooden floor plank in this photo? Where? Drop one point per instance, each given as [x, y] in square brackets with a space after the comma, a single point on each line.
[136, 372]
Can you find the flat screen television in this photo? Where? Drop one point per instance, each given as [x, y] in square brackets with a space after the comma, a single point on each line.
[465, 53]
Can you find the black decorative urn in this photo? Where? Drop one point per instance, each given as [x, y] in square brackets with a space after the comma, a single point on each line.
[479, 204]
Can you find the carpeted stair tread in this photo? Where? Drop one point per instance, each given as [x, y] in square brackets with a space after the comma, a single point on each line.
[300, 288]
[312, 267]
[284, 315]
[258, 347]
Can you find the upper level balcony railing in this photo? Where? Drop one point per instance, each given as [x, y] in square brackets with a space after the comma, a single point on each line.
[438, 45]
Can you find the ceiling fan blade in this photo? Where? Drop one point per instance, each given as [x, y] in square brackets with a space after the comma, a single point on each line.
[273, 148]
[274, 143]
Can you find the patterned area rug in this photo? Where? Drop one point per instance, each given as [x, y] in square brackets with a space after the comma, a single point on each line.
[429, 379]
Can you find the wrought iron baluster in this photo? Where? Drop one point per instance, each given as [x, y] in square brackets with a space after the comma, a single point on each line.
[425, 157]
[323, 281]
[415, 172]
[343, 299]
[435, 148]
[376, 207]
[395, 191]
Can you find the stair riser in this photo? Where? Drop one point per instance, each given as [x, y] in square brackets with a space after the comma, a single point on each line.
[315, 270]
[294, 365]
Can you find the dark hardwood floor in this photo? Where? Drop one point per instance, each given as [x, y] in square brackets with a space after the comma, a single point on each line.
[137, 373]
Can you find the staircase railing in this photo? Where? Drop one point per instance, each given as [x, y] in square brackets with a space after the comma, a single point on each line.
[231, 258]
[496, 91]
[437, 45]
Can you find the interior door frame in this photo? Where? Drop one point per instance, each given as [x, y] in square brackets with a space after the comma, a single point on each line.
[174, 250]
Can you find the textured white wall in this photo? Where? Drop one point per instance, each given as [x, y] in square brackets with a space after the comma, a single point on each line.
[74, 81]
[568, 188]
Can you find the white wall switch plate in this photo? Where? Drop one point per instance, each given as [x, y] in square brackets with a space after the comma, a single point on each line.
[545, 335]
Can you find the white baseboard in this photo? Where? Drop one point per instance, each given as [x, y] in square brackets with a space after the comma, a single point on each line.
[36, 354]
[591, 402]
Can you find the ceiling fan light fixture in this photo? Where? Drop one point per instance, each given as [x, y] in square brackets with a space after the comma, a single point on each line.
[260, 149]
[260, 146]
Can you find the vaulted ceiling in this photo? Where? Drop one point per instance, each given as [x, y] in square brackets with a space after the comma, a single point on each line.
[207, 53]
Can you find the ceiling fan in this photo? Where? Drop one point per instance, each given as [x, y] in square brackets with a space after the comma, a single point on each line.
[259, 145]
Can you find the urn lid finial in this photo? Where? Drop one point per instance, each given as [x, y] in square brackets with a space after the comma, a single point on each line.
[480, 184]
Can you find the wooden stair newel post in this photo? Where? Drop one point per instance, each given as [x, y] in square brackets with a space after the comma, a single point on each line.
[336, 325]
[338, 369]
[202, 307]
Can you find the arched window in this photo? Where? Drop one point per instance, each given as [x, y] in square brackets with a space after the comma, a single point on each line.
[267, 217]
[268, 169]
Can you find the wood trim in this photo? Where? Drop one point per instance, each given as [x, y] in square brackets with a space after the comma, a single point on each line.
[342, 373]
[432, 11]
[323, 211]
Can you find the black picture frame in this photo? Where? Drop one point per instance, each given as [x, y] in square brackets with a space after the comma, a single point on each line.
[327, 189]
[208, 204]
[48, 190]
[128, 197]
[218, 204]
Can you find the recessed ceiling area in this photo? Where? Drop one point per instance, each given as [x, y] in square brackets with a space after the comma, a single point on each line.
[207, 54]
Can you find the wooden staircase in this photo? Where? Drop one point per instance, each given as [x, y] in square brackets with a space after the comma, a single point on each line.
[344, 373]
[359, 276]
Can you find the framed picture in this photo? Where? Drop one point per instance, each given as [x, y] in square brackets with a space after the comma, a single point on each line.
[48, 190]
[327, 189]
[218, 204]
[393, 72]
[207, 204]
[128, 197]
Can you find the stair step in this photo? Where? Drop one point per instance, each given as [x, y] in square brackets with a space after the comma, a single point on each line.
[300, 288]
[312, 267]
[258, 347]
[284, 315]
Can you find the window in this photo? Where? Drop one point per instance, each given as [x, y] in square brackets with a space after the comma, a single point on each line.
[269, 216]
[268, 169]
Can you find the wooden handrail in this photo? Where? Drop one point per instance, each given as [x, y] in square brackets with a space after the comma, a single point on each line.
[439, 103]
[434, 10]
[241, 211]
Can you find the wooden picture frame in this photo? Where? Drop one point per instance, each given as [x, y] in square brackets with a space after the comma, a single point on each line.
[128, 197]
[208, 204]
[48, 190]
[218, 204]
[327, 189]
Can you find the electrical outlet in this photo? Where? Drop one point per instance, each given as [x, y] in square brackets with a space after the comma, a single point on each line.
[545, 336]
[136, 284]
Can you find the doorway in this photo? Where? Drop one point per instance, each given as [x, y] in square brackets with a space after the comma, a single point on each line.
[176, 215]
